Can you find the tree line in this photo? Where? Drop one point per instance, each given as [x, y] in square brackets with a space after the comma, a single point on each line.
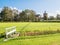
[10, 15]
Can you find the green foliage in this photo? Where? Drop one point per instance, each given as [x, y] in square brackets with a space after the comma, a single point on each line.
[7, 14]
[2, 35]
[27, 15]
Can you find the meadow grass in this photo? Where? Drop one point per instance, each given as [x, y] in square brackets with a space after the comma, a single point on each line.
[51, 39]
[30, 26]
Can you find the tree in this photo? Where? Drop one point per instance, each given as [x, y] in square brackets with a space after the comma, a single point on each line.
[7, 14]
[27, 15]
[32, 15]
[22, 16]
[45, 16]
[15, 15]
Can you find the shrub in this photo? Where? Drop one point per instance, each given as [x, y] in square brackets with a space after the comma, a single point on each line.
[2, 35]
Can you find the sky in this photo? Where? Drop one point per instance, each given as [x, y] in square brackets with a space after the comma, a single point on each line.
[52, 7]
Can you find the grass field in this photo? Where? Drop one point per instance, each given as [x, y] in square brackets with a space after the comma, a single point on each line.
[50, 39]
[30, 26]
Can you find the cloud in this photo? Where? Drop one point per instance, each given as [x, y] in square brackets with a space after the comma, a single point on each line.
[16, 9]
[0, 9]
[57, 12]
[52, 14]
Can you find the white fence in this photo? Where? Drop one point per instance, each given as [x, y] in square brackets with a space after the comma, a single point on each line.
[10, 30]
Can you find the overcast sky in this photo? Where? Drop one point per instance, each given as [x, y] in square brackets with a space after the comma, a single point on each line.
[51, 6]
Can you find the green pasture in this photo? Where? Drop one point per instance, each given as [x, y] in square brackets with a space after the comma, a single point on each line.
[30, 26]
[51, 39]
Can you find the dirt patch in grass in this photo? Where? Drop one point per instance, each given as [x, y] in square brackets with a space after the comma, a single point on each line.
[34, 33]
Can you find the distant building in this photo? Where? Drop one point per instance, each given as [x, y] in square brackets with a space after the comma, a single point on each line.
[45, 16]
[58, 16]
[37, 17]
[51, 18]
